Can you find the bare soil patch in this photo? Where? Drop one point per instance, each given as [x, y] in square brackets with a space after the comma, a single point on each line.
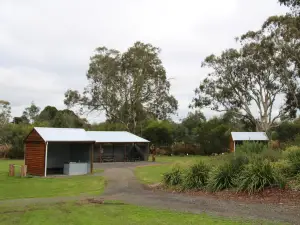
[268, 196]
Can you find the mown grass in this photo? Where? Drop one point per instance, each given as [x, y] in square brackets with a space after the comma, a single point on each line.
[17, 187]
[110, 213]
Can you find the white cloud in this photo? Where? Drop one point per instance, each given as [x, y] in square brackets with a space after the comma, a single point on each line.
[45, 45]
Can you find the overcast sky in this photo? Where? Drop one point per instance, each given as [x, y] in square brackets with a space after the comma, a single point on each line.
[45, 45]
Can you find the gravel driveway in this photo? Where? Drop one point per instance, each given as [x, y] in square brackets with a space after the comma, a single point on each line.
[123, 186]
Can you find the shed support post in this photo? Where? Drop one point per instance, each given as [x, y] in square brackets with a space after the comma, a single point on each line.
[234, 147]
[46, 156]
[113, 147]
[92, 158]
[125, 154]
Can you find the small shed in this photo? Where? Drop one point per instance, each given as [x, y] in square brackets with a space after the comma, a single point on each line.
[239, 137]
[119, 146]
[58, 151]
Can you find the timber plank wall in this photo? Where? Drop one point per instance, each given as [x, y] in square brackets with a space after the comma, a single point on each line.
[35, 148]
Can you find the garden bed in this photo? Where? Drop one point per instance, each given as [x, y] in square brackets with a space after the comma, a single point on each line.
[267, 196]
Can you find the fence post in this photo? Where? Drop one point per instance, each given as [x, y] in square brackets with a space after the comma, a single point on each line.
[23, 171]
[11, 170]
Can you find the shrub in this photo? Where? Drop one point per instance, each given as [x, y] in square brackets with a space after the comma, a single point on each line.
[295, 184]
[271, 154]
[173, 178]
[251, 147]
[223, 176]
[283, 167]
[182, 149]
[238, 162]
[293, 156]
[196, 176]
[258, 175]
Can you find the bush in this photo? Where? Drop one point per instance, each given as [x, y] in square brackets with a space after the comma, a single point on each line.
[251, 147]
[181, 149]
[223, 176]
[196, 176]
[173, 178]
[271, 155]
[258, 175]
[293, 155]
[238, 162]
[283, 167]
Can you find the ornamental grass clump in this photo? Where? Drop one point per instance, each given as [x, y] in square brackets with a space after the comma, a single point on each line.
[257, 175]
[196, 176]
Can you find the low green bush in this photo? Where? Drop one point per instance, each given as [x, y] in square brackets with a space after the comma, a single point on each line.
[257, 175]
[283, 167]
[239, 161]
[251, 147]
[271, 154]
[223, 176]
[196, 176]
[293, 155]
[173, 177]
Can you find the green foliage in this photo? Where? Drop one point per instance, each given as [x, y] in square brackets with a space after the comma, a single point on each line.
[251, 147]
[128, 87]
[107, 126]
[271, 154]
[257, 175]
[223, 176]
[184, 149]
[283, 167]
[287, 131]
[213, 136]
[66, 118]
[31, 112]
[159, 132]
[14, 135]
[293, 155]
[196, 176]
[173, 178]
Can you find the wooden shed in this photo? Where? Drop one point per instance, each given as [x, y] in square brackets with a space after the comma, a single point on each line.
[239, 137]
[119, 146]
[58, 151]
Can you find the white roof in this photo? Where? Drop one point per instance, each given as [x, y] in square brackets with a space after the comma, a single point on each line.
[63, 134]
[115, 137]
[249, 136]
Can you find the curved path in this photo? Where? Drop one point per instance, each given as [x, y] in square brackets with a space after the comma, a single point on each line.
[123, 186]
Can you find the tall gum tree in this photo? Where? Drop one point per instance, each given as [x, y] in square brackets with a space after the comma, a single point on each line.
[127, 86]
[248, 81]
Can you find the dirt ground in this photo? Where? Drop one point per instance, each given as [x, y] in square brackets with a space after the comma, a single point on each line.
[123, 186]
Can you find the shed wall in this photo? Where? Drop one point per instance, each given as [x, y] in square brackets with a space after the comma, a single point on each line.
[35, 149]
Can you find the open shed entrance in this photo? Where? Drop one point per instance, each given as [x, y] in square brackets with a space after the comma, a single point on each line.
[69, 158]
[118, 152]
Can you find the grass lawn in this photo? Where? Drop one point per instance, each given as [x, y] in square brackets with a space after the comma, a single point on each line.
[153, 174]
[17, 187]
[108, 213]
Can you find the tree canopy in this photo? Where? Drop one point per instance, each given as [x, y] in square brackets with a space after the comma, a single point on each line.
[128, 87]
[250, 80]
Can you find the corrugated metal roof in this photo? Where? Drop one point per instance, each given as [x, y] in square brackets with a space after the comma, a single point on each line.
[249, 136]
[115, 137]
[63, 134]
